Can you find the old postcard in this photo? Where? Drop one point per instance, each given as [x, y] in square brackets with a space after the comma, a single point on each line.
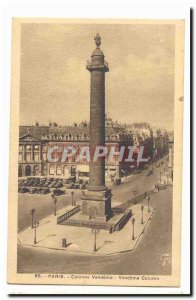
[96, 152]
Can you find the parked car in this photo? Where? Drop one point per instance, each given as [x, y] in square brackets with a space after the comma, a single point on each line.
[45, 191]
[70, 186]
[59, 184]
[148, 173]
[80, 181]
[117, 181]
[52, 185]
[83, 186]
[58, 192]
[24, 190]
[65, 181]
[38, 190]
[72, 179]
[76, 186]
[32, 191]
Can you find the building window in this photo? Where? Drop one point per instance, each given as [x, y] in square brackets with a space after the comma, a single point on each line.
[45, 169]
[66, 171]
[20, 157]
[51, 170]
[44, 156]
[28, 157]
[44, 147]
[36, 147]
[20, 147]
[36, 157]
[20, 171]
[58, 170]
[28, 147]
[36, 170]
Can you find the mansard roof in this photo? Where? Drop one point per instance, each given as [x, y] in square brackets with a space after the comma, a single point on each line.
[44, 132]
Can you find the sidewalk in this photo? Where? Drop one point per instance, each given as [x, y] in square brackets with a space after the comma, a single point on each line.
[81, 239]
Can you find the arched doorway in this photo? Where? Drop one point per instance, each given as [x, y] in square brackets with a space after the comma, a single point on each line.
[20, 171]
[27, 170]
[73, 170]
[45, 170]
[58, 170]
[36, 170]
[66, 171]
[51, 170]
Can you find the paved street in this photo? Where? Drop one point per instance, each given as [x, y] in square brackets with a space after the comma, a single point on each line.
[49, 234]
[44, 204]
[145, 259]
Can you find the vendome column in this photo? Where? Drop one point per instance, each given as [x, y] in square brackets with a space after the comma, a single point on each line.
[97, 200]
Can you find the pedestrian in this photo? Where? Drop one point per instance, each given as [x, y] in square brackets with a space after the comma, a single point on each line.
[156, 188]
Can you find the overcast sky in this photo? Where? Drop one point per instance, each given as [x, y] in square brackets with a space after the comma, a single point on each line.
[55, 84]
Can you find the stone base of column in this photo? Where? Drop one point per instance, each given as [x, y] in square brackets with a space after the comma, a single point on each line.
[97, 205]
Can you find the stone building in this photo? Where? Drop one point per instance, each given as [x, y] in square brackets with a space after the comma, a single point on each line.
[142, 137]
[160, 142]
[34, 142]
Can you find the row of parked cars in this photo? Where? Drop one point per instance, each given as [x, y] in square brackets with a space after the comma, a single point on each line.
[41, 191]
[36, 185]
[41, 182]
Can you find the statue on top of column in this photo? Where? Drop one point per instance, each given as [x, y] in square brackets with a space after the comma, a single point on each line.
[97, 39]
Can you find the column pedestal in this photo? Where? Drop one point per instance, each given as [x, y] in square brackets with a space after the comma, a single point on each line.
[97, 205]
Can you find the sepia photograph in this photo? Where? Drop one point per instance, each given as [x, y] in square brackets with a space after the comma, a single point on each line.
[96, 152]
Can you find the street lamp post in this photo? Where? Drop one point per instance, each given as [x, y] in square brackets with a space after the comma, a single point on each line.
[32, 217]
[133, 235]
[95, 231]
[35, 225]
[55, 202]
[142, 210]
[148, 199]
[72, 198]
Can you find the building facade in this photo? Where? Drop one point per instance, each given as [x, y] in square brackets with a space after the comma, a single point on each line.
[34, 142]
